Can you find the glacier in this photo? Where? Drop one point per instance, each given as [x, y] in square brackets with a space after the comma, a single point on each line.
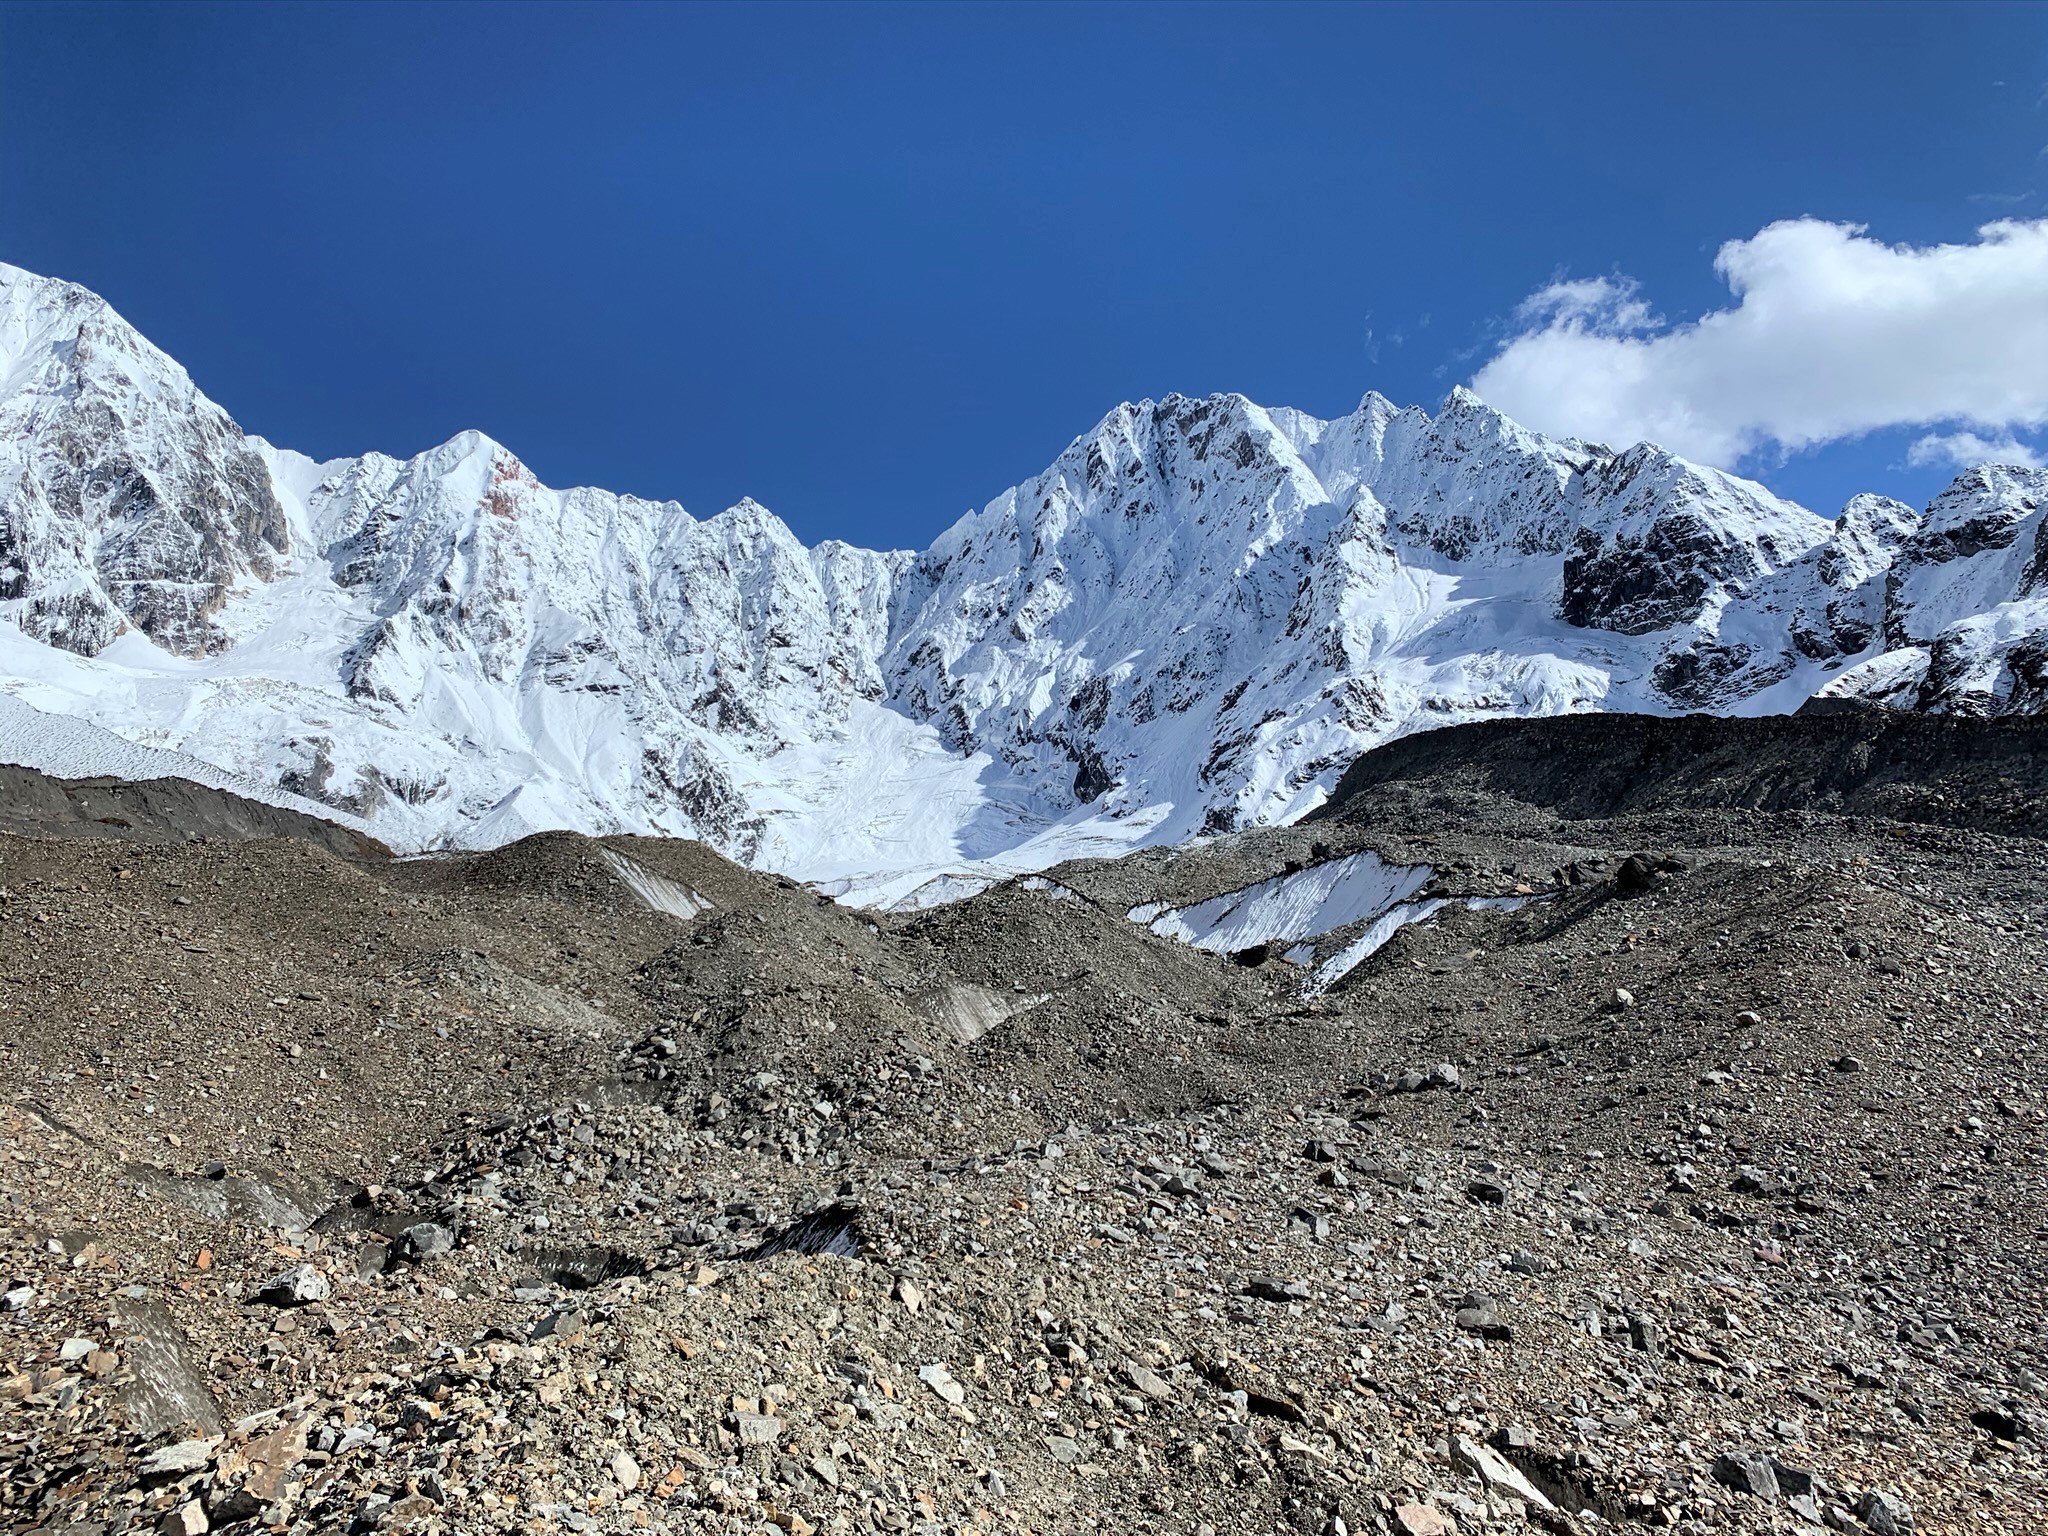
[1192, 621]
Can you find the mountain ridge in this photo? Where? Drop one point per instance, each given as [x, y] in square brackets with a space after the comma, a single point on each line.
[1194, 619]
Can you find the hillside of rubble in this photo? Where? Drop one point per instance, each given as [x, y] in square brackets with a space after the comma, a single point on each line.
[1598, 1127]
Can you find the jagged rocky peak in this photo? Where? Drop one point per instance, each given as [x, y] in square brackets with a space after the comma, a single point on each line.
[127, 498]
[1193, 619]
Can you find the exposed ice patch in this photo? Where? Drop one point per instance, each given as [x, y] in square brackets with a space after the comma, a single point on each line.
[1051, 888]
[1383, 928]
[658, 891]
[1298, 908]
[66, 748]
[971, 1012]
[1311, 901]
[935, 892]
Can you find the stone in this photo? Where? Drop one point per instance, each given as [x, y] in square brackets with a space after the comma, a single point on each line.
[424, 1240]
[1885, 1513]
[626, 1470]
[1480, 1315]
[1496, 1471]
[910, 1295]
[1319, 1152]
[1422, 1520]
[565, 1326]
[1314, 1223]
[1636, 874]
[1150, 1382]
[296, 1287]
[757, 1428]
[188, 1519]
[181, 1459]
[1266, 1288]
[941, 1381]
[1645, 1333]
[1486, 1192]
[1747, 1472]
[1445, 1075]
[1800, 1490]
[18, 1299]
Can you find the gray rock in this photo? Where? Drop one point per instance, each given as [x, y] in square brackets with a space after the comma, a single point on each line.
[1266, 1288]
[1496, 1471]
[565, 1325]
[1150, 1382]
[1747, 1472]
[424, 1240]
[1314, 1223]
[296, 1287]
[941, 1381]
[182, 1459]
[1885, 1513]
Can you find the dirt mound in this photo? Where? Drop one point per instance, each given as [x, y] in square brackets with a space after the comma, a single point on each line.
[33, 804]
[1989, 775]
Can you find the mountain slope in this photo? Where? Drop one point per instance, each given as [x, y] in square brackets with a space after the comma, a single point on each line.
[1194, 619]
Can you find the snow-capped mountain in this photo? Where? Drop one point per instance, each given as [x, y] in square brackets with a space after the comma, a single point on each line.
[1194, 619]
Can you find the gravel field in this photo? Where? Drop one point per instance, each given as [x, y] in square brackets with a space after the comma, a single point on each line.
[1693, 1181]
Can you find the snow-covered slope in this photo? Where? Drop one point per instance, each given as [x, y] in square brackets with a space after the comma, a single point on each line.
[1192, 620]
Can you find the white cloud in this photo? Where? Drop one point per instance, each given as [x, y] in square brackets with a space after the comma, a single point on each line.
[1832, 334]
[1963, 449]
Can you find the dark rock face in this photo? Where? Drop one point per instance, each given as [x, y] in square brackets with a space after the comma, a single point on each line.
[1704, 676]
[1635, 586]
[1092, 778]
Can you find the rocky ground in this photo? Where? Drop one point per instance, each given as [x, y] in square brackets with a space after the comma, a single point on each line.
[484, 1193]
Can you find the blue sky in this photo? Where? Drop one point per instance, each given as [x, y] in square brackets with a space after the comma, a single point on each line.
[873, 264]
